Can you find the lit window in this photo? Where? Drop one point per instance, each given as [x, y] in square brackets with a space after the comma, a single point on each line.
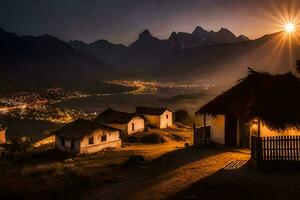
[91, 140]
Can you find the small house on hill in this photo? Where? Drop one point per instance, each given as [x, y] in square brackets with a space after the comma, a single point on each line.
[259, 105]
[157, 117]
[128, 123]
[84, 136]
[2, 135]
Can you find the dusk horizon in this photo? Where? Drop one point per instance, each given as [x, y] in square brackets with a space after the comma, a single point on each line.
[120, 22]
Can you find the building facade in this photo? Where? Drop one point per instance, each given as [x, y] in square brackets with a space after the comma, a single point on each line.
[83, 136]
[127, 123]
[156, 117]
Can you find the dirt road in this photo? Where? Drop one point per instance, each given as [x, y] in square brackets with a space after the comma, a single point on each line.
[169, 174]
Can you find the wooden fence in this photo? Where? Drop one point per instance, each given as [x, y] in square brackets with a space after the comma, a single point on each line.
[276, 148]
[201, 136]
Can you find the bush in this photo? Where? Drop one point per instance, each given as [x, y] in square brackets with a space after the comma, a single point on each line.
[133, 139]
[153, 138]
[16, 146]
[182, 116]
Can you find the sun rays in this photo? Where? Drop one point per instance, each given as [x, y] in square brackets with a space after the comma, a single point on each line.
[289, 27]
[284, 18]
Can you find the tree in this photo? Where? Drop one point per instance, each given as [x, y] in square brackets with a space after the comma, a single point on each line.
[182, 116]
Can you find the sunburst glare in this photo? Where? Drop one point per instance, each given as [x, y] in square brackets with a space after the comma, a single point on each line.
[289, 27]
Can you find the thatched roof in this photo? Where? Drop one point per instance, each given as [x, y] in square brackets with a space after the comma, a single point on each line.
[274, 99]
[112, 116]
[151, 110]
[80, 128]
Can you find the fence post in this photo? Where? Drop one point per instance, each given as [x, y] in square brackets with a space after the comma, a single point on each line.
[194, 134]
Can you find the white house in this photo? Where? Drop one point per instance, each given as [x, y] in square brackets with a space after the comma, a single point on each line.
[128, 123]
[157, 117]
[84, 136]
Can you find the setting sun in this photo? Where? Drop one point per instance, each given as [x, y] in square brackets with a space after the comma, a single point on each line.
[289, 27]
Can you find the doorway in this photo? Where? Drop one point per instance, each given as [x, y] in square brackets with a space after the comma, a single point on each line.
[231, 131]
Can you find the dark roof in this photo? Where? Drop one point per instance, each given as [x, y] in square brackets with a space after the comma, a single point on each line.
[79, 128]
[113, 116]
[150, 110]
[274, 99]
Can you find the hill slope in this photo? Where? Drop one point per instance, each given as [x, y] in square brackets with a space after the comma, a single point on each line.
[269, 53]
[46, 61]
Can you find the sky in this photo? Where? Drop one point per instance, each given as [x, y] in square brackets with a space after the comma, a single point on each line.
[120, 21]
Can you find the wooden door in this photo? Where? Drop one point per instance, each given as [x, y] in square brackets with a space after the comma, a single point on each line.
[245, 135]
[230, 131]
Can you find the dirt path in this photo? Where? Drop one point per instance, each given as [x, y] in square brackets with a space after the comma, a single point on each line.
[170, 174]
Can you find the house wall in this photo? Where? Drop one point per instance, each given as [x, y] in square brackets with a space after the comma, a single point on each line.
[164, 121]
[160, 121]
[139, 125]
[265, 131]
[2, 136]
[82, 145]
[217, 129]
[113, 140]
[67, 146]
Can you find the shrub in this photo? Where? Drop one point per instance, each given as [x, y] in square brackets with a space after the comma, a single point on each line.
[182, 116]
[18, 145]
[153, 138]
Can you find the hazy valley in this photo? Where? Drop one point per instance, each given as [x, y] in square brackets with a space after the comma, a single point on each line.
[182, 71]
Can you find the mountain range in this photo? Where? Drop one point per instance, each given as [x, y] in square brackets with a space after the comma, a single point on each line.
[45, 61]
[147, 51]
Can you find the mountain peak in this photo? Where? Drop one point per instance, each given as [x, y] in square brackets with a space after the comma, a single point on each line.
[101, 42]
[225, 30]
[199, 30]
[243, 38]
[76, 42]
[173, 36]
[145, 35]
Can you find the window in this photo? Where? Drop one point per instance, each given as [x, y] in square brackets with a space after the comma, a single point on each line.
[62, 142]
[91, 140]
[72, 144]
[103, 138]
[167, 116]
[132, 126]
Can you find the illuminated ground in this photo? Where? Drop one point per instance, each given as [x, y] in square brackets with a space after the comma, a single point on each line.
[170, 174]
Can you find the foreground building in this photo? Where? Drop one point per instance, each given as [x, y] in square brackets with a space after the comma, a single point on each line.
[127, 123]
[259, 105]
[83, 136]
[157, 117]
